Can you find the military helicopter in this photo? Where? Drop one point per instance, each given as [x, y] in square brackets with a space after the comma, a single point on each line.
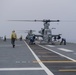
[45, 32]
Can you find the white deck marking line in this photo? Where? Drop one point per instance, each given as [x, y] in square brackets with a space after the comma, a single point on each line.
[58, 53]
[50, 45]
[15, 69]
[66, 50]
[41, 64]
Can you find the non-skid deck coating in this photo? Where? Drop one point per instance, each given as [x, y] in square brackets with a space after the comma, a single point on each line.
[37, 60]
[19, 60]
[59, 62]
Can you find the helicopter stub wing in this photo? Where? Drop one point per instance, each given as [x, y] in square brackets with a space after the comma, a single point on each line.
[38, 35]
[56, 35]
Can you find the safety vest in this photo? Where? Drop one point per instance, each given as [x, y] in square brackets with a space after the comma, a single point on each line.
[13, 35]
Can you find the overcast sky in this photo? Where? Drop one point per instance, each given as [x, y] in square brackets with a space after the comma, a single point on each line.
[38, 9]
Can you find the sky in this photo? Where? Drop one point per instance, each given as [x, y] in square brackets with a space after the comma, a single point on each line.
[63, 10]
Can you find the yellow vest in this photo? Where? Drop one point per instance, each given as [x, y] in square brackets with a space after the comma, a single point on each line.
[13, 35]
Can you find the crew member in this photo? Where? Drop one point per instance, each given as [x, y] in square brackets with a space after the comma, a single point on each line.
[13, 38]
[21, 38]
[63, 41]
[5, 38]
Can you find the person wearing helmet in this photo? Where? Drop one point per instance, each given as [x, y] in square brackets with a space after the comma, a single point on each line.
[13, 38]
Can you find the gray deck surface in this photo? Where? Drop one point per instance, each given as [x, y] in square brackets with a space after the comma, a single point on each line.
[59, 59]
[18, 60]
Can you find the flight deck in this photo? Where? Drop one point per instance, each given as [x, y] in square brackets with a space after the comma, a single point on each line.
[37, 59]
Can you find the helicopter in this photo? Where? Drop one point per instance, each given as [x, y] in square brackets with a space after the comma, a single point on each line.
[46, 32]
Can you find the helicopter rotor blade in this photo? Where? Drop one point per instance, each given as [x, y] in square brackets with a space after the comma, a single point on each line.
[27, 20]
[26, 31]
[37, 20]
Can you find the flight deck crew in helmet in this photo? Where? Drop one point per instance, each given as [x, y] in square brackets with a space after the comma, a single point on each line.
[13, 38]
